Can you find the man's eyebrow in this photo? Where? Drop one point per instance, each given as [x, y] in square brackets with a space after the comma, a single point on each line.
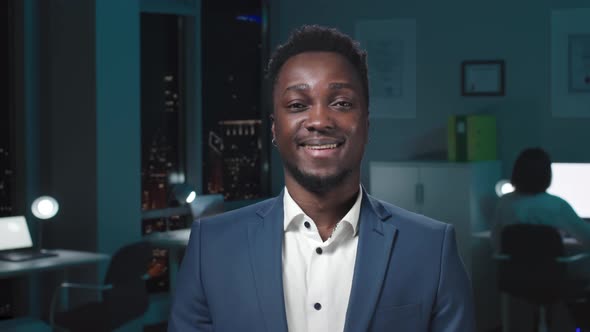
[332, 86]
[336, 86]
[302, 86]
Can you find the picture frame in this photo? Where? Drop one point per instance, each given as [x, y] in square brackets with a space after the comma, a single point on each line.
[579, 63]
[483, 78]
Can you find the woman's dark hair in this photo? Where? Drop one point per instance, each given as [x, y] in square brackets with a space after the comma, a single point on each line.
[532, 171]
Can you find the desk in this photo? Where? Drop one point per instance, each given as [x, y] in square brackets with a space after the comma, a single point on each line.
[63, 260]
[570, 244]
[174, 241]
[177, 238]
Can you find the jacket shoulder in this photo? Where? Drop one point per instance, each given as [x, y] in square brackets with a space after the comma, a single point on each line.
[402, 218]
[251, 212]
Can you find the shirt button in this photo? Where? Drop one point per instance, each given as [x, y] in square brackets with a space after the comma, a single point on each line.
[306, 224]
[319, 251]
[317, 306]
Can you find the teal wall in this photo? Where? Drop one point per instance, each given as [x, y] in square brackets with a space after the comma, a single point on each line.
[83, 119]
[83, 122]
[85, 92]
[30, 106]
[67, 115]
[83, 140]
[82, 125]
[447, 34]
[118, 145]
[93, 109]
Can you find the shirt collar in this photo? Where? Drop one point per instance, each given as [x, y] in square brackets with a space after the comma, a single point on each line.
[292, 210]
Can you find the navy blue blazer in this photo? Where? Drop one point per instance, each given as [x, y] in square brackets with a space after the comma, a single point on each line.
[408, 276]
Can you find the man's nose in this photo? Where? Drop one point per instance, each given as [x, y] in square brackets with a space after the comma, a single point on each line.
[319, 118]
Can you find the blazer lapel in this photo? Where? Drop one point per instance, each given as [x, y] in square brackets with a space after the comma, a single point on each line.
[376, 240]
[265, 237]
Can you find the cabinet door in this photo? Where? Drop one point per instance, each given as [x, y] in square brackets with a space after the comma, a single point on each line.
[447, 198]
[395, 184]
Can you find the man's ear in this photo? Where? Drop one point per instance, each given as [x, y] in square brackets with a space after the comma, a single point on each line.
[272, 126]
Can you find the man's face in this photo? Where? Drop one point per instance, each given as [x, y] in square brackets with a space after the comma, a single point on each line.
[320, 119]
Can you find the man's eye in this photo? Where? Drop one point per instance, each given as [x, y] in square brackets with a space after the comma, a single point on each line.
[342, 104]
[296, 106]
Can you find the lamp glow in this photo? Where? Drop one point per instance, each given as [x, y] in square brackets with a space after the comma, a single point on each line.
[503, 187]
[176, 178]
[183, 193]
[191, 197]
[44, 207]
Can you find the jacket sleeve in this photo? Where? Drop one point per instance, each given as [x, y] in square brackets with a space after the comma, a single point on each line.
[453, 309]
[190, 311]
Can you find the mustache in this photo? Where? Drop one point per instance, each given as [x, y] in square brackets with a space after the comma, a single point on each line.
[319, 139]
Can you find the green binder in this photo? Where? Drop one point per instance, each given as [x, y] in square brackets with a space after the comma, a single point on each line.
[471, 138]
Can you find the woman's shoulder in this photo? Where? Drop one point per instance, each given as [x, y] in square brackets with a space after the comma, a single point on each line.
[540, 199]
[555, 198]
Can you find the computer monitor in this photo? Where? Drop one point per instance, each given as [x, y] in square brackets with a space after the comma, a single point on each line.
[15, 241]
[14, 233]
[571, 181]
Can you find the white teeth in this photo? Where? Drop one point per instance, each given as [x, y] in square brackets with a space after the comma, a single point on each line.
[321, 147]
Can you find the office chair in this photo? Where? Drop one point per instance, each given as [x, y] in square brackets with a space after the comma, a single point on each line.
[532, 266]
[124, 294]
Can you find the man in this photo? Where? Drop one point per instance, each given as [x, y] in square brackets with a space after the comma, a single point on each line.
[323, 255]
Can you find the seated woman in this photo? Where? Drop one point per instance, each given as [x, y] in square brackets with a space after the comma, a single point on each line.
[530, 203]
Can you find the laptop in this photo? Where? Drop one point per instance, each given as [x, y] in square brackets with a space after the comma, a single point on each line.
[15, 241]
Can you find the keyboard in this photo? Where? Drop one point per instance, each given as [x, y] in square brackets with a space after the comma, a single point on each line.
[25, 255]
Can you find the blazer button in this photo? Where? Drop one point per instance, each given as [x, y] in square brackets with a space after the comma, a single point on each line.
[318, 250]
[306, 224]
[317, 306]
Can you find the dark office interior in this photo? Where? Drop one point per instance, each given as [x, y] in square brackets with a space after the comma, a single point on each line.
[121, 110]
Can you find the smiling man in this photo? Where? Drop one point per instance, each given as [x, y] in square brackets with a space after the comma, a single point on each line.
[323, 255]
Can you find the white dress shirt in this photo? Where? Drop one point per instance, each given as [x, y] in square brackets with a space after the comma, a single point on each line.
[317, 275]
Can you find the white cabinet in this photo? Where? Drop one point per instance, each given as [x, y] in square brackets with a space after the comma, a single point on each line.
[461, 194]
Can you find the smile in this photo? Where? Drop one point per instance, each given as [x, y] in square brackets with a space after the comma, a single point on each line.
[321, 147]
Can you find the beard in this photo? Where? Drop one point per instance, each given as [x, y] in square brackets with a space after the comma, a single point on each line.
[315, 183]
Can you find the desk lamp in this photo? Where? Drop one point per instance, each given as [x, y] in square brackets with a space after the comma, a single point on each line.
[183, 193]
[44, 207]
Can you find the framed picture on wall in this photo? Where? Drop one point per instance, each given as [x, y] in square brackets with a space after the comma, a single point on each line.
[579, 63]
[482, 78]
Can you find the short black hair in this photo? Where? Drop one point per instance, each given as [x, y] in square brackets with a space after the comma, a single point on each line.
[532, 171]
[315, 38]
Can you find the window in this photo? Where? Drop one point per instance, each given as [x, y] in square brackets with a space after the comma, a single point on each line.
[7, 141]
[235, 126]
[163, 139]
[7, 132]
[224, 147]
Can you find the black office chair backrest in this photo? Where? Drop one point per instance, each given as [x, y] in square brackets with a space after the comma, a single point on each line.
[128, 298]
[532, 271]
[531, 242]
[129, 263]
